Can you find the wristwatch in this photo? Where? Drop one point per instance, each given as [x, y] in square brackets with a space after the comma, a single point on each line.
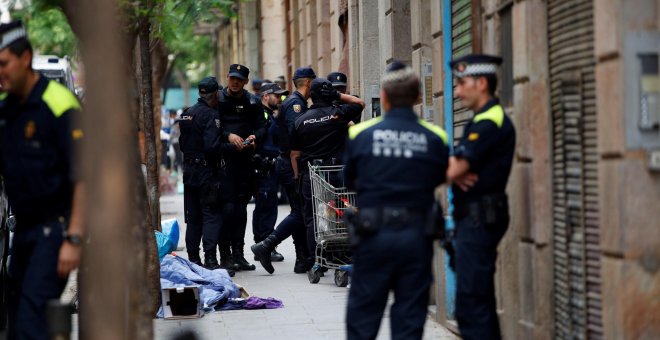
[74, 239]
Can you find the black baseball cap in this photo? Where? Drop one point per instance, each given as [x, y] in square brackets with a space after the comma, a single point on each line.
[268, 88]
[208, 85]
[304, 72]
[318, 84]
[338, 79]
[239, 71]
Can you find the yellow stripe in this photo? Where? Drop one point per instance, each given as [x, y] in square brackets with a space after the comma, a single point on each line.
[355, 130]
[3, 95]
[59, 99]
[494, 114]
[266, 115]
[435, 129]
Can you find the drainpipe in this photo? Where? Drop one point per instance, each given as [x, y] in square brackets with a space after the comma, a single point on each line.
[450, 277]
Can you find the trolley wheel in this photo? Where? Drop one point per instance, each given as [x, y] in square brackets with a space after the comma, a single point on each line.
[314, 276]
[341, 278]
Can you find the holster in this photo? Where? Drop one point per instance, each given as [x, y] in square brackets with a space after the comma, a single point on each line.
[435, 222]
[487, 210]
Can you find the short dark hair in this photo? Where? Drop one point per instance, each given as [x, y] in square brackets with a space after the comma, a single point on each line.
[20, 46]
[491, 80]
[404, 92]
[299, 82]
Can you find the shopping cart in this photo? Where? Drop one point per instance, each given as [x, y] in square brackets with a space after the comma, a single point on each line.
[330, 200]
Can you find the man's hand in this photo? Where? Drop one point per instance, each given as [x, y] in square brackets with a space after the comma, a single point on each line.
[251, 138]
[236, 140]
[69, 259]
[467, 181]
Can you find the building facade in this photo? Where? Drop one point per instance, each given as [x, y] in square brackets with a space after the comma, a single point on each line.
[580, 80]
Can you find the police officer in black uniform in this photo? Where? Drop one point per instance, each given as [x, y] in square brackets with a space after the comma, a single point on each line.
[394, 163]
[37, 143]
[319, 138]
[340, 83]
[241, 113]
[480, 170]
[265, 205]
[201, 144]
[293, 225]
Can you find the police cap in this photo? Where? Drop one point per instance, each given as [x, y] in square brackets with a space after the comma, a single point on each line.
[397, 71]
[268, 88]
[318, 85]
[257, 81]
[208, 85]
[338, 79]
[304, 72]
[239, 71]
[11, 32]
[475, 65]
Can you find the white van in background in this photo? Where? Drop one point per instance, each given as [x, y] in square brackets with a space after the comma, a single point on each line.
[55, 68]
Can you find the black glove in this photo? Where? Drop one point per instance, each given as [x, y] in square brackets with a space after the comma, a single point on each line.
[330, 93]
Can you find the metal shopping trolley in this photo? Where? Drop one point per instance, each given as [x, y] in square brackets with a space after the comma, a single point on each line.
[330, 200]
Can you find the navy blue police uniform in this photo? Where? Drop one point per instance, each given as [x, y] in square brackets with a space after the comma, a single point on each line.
[320, 135]
[241, 114]
[265, 208]
[201, 144]
[481, 213]
[394, 163]
[293, 107]
[37, 145]
[340, 82]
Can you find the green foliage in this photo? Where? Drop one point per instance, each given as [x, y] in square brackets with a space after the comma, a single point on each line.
[48, 29]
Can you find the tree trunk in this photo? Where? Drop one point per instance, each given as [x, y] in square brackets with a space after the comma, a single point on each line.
[111, 279]
[146, 91]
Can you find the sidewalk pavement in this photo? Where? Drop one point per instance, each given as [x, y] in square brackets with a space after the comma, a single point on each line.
[310, 311]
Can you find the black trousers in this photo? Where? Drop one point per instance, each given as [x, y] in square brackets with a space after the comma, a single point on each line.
[476, 256]
[293, 224]
[265, 207]
[398, 259]
[204, 221]
[240, 187]
[33, 279]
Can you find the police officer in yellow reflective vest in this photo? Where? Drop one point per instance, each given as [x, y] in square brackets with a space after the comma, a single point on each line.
[394, 163]
[479, 171]
[37, 141]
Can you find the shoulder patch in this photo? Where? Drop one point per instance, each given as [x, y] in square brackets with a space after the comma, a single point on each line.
[297, 108]
[355, 130]
[59, 99]
[494, 114]
[436, 130]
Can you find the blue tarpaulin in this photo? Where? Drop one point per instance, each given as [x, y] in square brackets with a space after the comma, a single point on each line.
[215, 286]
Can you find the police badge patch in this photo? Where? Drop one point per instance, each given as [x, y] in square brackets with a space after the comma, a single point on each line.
[297, 108]
[217, 123]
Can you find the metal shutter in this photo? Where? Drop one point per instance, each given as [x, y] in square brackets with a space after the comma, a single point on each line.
[576, 229]
[461, 32]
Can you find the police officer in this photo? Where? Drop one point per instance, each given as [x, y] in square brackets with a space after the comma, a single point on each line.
[340, 83]
[293, 225]
[319, 137]
[201, 145]
[394, 163]
[37, 143]
[265, 208]
[480, 170]
[256, 85]
[241, 113]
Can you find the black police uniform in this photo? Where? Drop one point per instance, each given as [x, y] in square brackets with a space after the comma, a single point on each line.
[201, 144]
[37, 145]
[394, 163]
[339, 80]
[482, 218]
[320, 135]
[244, 116]
[265, 207]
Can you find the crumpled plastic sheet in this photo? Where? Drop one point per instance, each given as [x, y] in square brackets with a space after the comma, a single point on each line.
[215, 286]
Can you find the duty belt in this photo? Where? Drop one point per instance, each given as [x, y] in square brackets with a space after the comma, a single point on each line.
[486, 207]
[391, 217]
[203, 162]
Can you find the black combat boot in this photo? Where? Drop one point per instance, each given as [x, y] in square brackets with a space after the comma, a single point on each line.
[211, 261]
[275, 256]
[240, 263]
[225, 257]
[194, 258]
[263, 249]
[304, 261]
